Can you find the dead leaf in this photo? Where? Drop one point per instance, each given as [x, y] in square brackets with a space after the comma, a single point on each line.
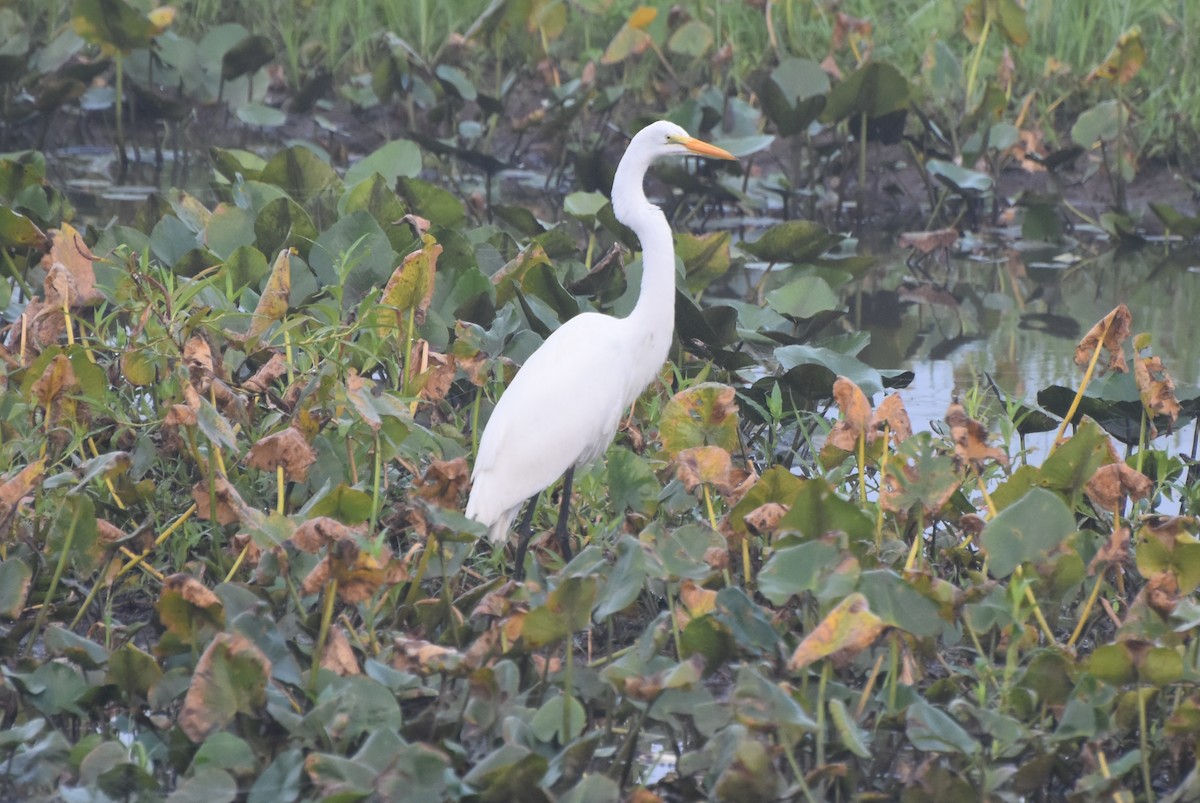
[423, 658]
[338, 656]
[186, 606]
[317, 533]
[1119, 322]
[69, 253]
[444, 482]
[271, 371]
[286, 448]
[230, 505]
[1114, 551]
[892, 413]
[1156, 388]
[17, 486]
[55, 390]
[765, 518]
[970, 439]
[1108, 487]
[846, 631]
[856, 415]
[230, 678]
[431, 374]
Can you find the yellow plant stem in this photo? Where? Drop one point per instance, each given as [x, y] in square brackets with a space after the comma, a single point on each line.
[883, 461]
[1087, 377]
[237, 564]
[987, 499]
[1087, 610]
[279, 484]
[322, 635]
[415, 586]
[167, 533]
[111, 490]
[862, 467]
[1037, 611]
[870, 684]
[66, 308]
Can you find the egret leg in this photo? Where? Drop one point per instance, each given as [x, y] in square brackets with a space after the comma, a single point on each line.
[524, 531]
[560, 530]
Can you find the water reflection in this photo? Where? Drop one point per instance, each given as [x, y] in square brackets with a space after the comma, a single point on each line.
[1019, 321]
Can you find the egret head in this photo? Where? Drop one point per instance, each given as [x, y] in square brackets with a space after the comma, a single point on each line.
[665, 138]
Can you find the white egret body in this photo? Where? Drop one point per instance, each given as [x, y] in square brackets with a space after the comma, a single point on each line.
[564, 405]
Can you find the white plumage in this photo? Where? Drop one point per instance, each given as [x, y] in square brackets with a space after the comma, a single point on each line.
[564, 405]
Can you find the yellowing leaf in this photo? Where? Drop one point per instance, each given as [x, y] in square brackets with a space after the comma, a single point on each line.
[849, 629]
[1125, 59]
[288, 449]
[273, 303]
[703, 465]
[410, 289]
[642, 17]
[702, 415]
[970, 438]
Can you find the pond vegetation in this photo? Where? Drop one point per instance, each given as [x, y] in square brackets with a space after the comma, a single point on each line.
[239, 417]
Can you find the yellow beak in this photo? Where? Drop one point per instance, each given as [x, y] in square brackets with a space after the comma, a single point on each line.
[702, 148]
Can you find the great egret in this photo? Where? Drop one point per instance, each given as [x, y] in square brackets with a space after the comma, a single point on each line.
[564, 405]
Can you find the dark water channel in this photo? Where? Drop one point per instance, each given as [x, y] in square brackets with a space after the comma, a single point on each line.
[1010, 313]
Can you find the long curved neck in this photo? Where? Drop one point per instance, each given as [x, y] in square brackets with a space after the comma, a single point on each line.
[656, 302]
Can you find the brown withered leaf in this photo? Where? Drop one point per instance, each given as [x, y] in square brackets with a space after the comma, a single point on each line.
[17, 486]
[317, 533]
[424, 658]
[444, 482]
[970, 438]
[40, 325]
[286, 448]
[338, 656]
[892, 413]
[696, 600]
[180, 415]
[358, 572]
[430, 374]
[846, 631]
[1114, 551]
[198, 355]
[927, 242]
[230, 505]
[108, 533]
[230, 679]
[244, 542]
[1156, 388]
[856, 415]
[70, 252]
[1119, 323]
[55, 389]
[1112, 483]
[186, 606]
[270, 372]
[704, 465]
[1161, 593]
[717, 558]
[765, 518]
